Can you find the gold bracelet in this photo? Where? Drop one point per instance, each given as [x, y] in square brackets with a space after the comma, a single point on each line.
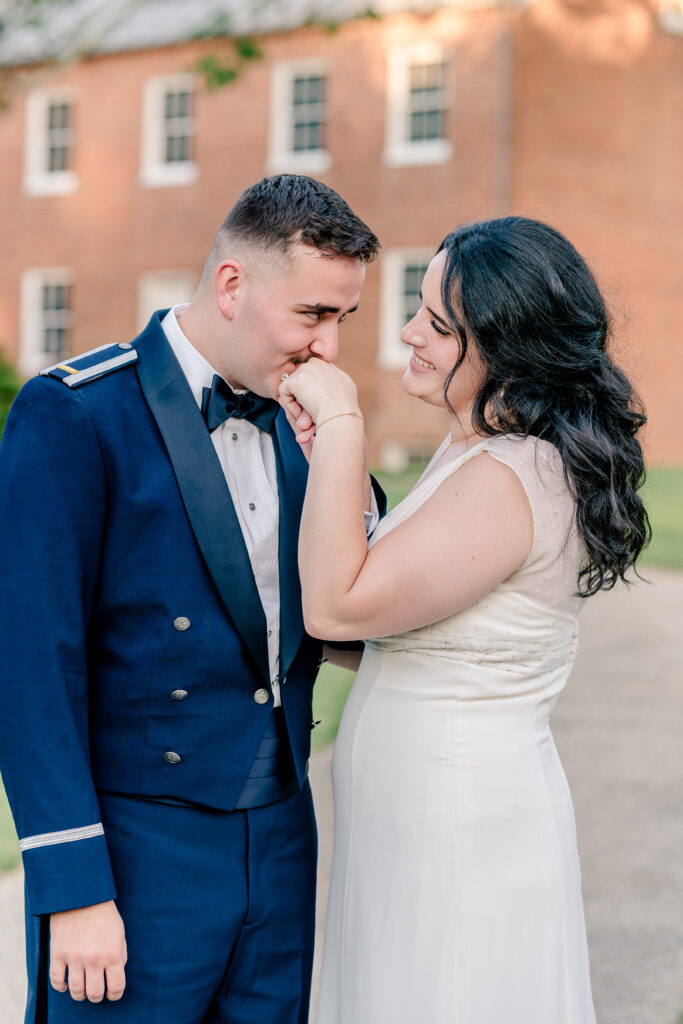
[336, 417]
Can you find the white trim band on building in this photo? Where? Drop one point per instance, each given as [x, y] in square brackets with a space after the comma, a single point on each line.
[68, 835]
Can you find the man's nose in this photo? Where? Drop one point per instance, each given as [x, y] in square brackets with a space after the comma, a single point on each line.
[326, 344]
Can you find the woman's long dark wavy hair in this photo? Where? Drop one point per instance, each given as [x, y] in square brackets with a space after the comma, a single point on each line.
[524, 296]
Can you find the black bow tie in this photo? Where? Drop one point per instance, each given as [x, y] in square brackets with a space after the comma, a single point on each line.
[220, 402]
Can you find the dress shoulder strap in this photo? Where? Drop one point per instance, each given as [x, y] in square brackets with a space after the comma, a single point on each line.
[431, 480]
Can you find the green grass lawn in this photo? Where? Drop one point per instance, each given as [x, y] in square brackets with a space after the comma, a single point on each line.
[663, 495]
[9, 847]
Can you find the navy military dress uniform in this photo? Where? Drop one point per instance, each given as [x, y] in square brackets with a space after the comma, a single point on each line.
[137, 696]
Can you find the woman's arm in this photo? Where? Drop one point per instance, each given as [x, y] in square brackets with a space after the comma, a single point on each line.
[470, 535]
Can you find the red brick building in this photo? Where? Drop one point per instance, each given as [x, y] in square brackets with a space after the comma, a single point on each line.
[116, 169]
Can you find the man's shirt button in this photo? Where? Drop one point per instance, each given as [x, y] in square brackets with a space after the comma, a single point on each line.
[179, 695]
[261, 696]
[171, 757]
[181, 623]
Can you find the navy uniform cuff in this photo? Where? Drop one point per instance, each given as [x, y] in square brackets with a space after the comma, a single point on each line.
[65, 876]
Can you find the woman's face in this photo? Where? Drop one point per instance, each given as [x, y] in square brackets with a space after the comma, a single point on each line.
[436, 350]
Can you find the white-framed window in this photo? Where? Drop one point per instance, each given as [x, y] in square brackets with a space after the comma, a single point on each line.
[168, 131]
[418, 101]
[49, 143]
[46, 317]
[671, 15]
[161, 289]
[298, 117]
[402, 274]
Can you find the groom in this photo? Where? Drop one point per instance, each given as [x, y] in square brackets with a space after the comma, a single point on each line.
[155, 671]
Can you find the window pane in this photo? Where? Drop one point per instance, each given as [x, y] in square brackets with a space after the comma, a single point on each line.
[308, 114]
[426, 124]
[177, 148]
[178, 104]
[58, 115]
[178, 127]
[55, 320]
[57, 158]
[426, 102]
[58, 143]
[426, 77]
[308, 89]
[413, 274]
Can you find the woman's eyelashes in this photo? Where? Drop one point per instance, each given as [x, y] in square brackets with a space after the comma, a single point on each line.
[439, 330]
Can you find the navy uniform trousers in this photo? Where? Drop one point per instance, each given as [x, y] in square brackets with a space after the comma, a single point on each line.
[218, 906]
[219, 911]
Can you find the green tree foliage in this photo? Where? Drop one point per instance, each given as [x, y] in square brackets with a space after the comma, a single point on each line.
[9, 386]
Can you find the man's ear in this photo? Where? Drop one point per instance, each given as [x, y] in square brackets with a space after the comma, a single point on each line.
[229, 280]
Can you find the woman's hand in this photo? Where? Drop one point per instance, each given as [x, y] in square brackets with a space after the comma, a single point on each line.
[319, 389]
[302, 425]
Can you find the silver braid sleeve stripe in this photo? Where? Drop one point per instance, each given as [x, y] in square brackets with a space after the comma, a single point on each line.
[69, 835]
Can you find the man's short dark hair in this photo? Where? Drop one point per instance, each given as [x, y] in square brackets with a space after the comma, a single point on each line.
[280, 211]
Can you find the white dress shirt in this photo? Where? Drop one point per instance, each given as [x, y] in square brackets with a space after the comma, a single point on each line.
[247, 459]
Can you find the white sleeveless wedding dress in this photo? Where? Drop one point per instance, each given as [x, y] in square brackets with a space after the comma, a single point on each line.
[455, 895]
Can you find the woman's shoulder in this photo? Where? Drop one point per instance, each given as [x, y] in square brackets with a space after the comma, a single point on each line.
[531, 455]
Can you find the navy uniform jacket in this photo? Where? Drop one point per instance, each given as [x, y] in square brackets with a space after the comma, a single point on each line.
[117, 531]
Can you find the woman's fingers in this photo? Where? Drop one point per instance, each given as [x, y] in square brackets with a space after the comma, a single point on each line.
[304, 421]
[306, 436]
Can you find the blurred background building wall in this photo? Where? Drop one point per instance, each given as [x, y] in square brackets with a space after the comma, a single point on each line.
[117, 168]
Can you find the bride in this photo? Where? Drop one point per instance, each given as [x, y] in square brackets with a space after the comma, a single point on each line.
[455, 894]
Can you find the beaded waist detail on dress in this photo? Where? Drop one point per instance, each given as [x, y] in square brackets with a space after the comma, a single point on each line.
[508, 653]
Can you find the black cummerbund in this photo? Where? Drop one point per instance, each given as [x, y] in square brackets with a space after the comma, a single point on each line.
[272, 776]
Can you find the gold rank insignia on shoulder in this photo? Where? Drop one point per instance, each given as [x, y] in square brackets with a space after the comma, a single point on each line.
[90, 365]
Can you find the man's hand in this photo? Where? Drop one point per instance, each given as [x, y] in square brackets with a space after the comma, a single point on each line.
[90, 943]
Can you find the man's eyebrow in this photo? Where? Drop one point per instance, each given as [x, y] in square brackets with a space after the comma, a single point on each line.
[318, 307]
[436, 315]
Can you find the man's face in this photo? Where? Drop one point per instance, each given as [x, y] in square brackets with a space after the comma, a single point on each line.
[287, 312]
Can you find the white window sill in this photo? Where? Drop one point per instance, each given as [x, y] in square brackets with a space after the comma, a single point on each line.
[55, 183]
[671, 21]
[169, 175]
[410, 154]
[313, 161]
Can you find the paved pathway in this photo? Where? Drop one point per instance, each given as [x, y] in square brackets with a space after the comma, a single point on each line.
[619, 729]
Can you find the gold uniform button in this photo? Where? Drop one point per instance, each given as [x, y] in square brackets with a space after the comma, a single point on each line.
[181, 623]
[261, 696]
[171, 757]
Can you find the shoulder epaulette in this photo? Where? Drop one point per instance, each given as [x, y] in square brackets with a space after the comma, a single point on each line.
[91, 365]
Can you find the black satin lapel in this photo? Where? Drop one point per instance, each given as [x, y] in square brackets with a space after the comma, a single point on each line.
[203, 488]
[292, 472]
